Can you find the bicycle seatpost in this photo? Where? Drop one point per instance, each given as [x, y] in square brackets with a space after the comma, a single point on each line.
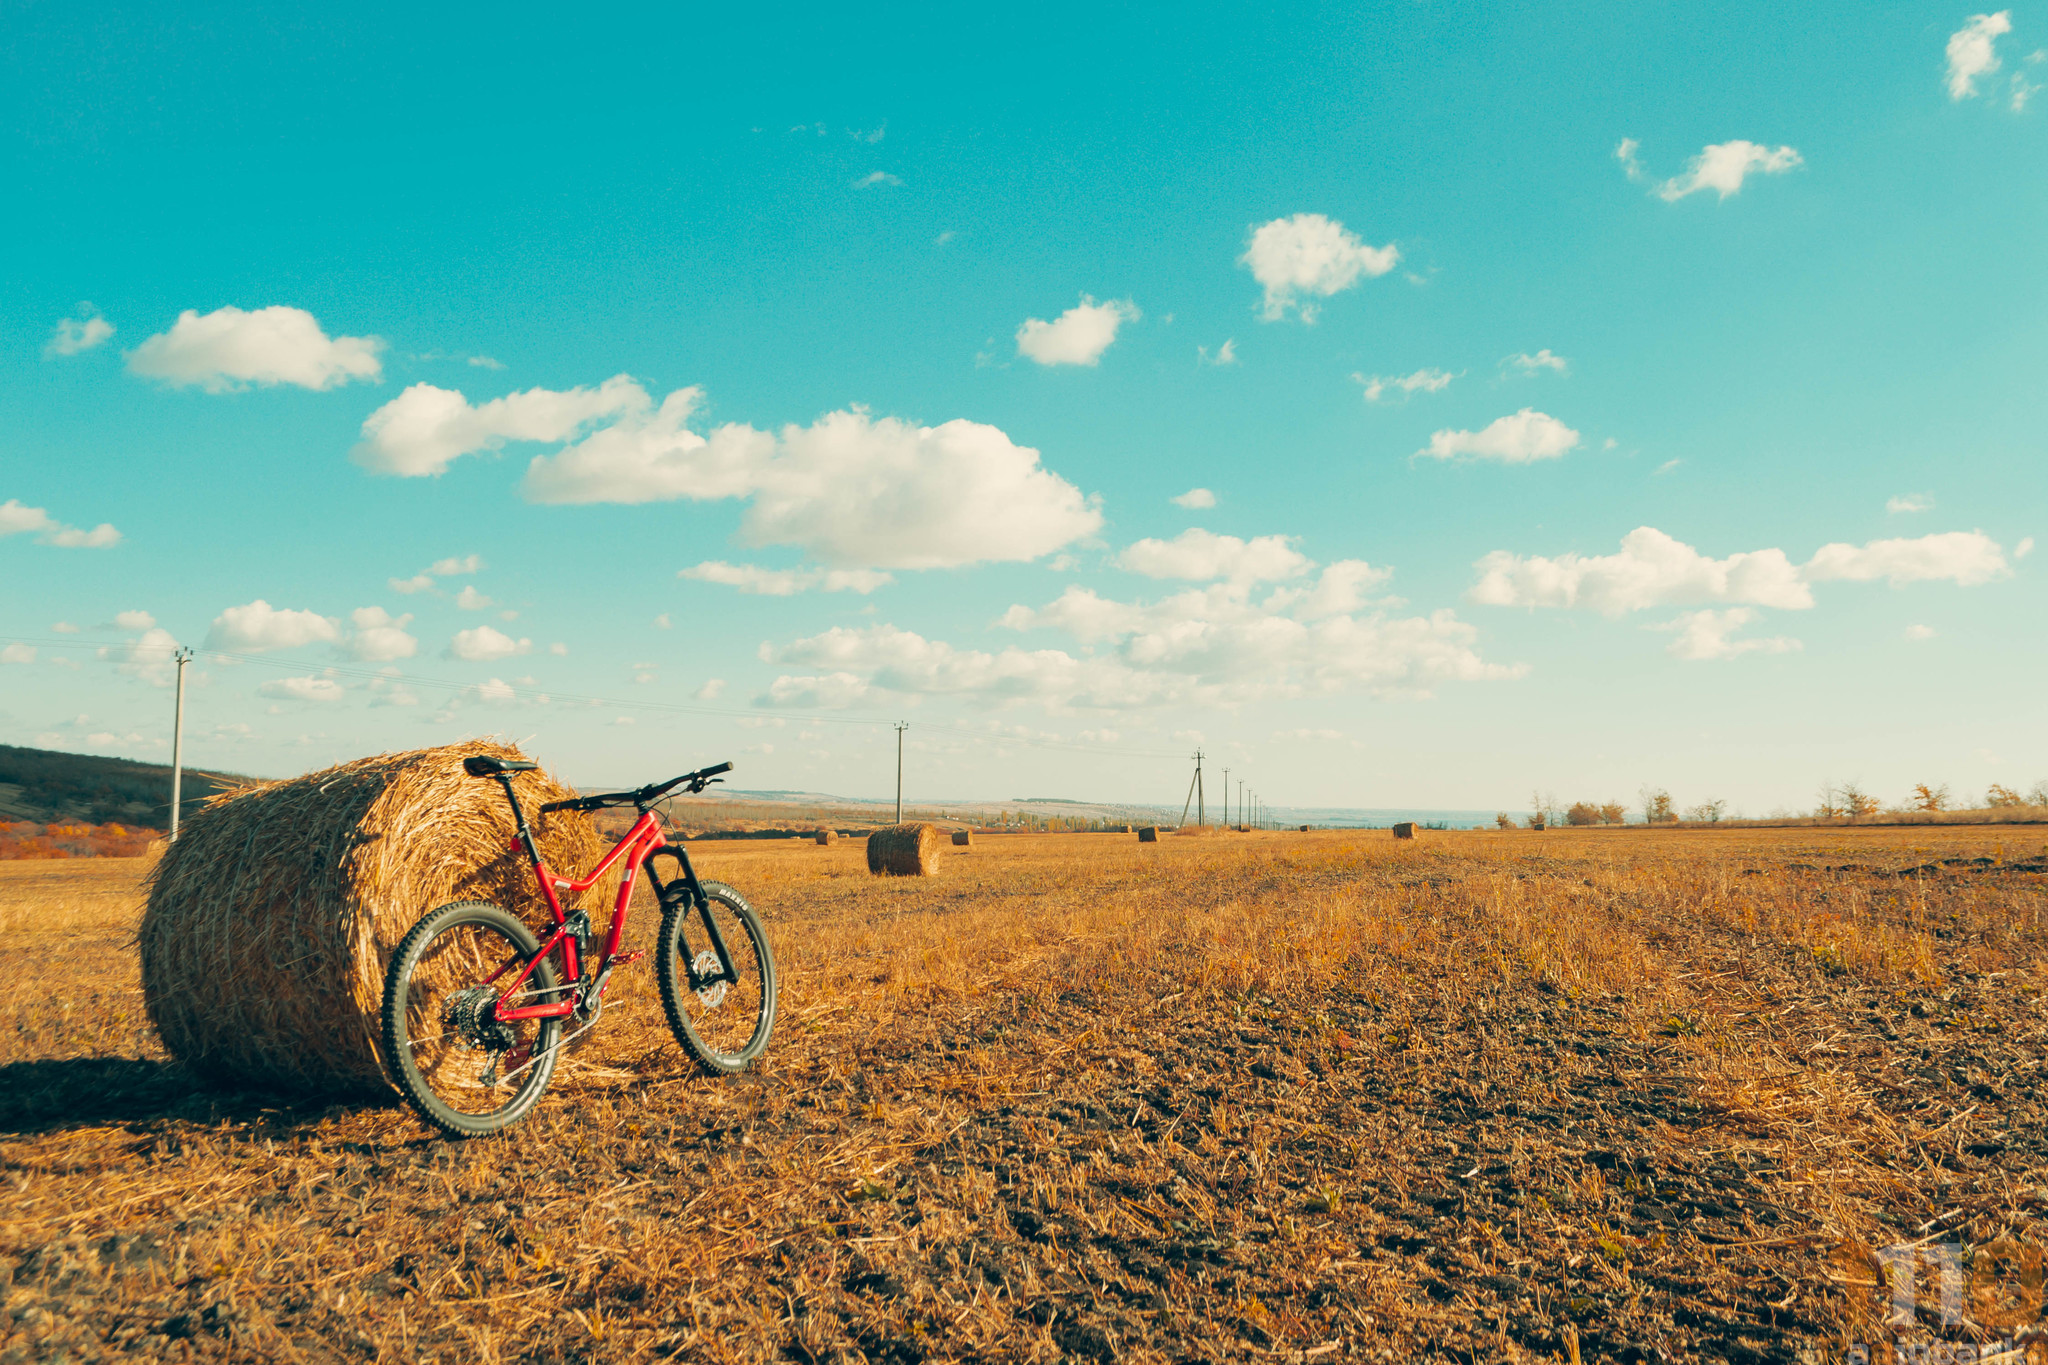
[519, 819]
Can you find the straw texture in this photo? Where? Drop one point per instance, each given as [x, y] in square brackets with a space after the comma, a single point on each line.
[271, 919]
[907, 850]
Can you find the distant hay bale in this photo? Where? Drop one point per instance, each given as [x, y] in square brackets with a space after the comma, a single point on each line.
[826, 836]
[1147, 834]
[1404, 830]
[270, 921]
[907, 850]
[1304, 829]
[963, 838]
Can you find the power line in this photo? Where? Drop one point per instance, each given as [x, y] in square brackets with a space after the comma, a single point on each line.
[552, 695]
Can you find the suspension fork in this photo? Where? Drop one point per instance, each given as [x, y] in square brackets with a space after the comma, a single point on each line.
[695, 891]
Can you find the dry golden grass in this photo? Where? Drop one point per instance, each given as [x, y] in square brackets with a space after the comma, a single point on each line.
[1318, 1096]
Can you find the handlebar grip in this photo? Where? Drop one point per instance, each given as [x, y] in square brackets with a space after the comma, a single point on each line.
[713, 772]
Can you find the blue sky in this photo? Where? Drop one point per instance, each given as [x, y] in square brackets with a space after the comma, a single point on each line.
[1643, 396]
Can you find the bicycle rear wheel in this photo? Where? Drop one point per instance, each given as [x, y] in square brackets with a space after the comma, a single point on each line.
[722, 1021]
[466, 1071]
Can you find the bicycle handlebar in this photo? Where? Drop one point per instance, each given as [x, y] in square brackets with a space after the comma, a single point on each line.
[643, 796]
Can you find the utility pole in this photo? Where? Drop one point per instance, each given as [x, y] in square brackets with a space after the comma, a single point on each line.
[1226, 798]
[1240, 802]
[1194, 792]
[901, 726]
[182, 655]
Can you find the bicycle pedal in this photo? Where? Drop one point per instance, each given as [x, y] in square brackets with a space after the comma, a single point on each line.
[628, 959]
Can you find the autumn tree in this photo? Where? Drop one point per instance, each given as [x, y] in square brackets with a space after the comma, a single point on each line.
[1613, 813]
[1708, 812]
[1657, 807]
[2001, 795]
[1582, 813]
[1857, 802]
[1930, 798]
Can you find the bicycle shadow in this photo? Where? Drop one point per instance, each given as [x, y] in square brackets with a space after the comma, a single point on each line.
[45, 1096]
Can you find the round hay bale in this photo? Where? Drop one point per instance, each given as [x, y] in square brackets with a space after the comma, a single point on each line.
[826, 836]
[1304, 829]
[1405, 830]
[963, 838]
[270, 921]
[1148, 834]
[907, 850]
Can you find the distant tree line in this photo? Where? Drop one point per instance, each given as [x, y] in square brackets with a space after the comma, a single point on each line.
[1838, 801]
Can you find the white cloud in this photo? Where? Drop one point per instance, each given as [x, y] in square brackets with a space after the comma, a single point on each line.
[710, 690]
[469, 599]
[2024, 548]
[874, 178]
[228, 348]
[1309, 254]
[260, 626]
[1201, 555]
[480, 644]
[1971, 52]
[303, 689]
[15, 519]
[749, 578]
[425, 428]
[1626, 155]
[1078, 336]
[1909, 502]
[81, 333]
[1919, 632]
[65, 628]
[148, 657]
[419, 582]
[1519, 439]
[1226, 354]
[853, 490]
[496, 690]
[1965, 558]
[1652, 569]
[456, 565]
[1542, 360]
[1210, 645]
[18, 654]
[1723, 166]
[1194, 499]
[133, 620]
[1707, 635]
[1424, 380]
[558, 649]
[378, 636]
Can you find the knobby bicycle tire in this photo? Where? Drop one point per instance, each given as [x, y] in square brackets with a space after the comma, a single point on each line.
[434, 983]
[724, 1026]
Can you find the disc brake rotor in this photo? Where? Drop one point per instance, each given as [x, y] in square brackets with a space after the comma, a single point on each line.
[707, 964]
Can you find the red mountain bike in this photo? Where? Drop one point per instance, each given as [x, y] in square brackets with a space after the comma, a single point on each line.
[475, 1004]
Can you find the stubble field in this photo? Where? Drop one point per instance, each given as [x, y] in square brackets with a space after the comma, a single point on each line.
[1612, 1095]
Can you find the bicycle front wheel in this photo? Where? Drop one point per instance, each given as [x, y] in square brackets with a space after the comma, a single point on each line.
[721, 1018]
[465, 1070]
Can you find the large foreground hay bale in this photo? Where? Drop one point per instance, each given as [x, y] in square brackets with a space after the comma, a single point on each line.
[271, 919]
[907, 850]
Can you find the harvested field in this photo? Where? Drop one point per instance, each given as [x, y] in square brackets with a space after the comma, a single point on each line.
[1306, 1097]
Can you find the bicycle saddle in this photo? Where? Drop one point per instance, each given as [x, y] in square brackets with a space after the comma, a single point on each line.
[485, 766]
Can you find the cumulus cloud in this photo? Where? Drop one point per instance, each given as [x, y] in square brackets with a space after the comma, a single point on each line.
[1226, 354]
[1654, 569]
[1524, 437]
[1212, 645]
[1708, 635]
[1919, 632]
[1194, 499]
[378, 636]
[1909, 502]
[133, 620]
[853, 490]
[1723, 166]
[15, 519]
[18, 654]
[425, 428]
[303, 689]
[1539, 362]
[481, 644]
[148, 657]
[1424, 381]
[456, 565]
[81, 333]
[229, 349]
[1972, 52]
[750, 578]
[469, 599]
[1308, 256]
[1965, 558]
[1078, 336]
[874, 178]
[1201, 555]
[1631, 165]
[260, 626]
